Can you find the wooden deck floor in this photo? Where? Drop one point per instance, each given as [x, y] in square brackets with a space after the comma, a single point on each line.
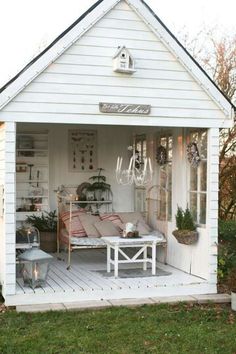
[84, 282]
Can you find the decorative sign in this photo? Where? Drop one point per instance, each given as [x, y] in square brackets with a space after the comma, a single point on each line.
[82, 150]
[123, 108]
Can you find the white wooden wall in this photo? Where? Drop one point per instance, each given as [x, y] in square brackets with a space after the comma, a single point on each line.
[70, 89]
[212, 202]
[7, 222]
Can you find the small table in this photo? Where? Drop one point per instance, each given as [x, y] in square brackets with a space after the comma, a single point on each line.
[118, 244]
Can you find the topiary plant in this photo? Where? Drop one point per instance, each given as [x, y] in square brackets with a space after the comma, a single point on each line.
[188, 223]
[186, 228]
[179, 218]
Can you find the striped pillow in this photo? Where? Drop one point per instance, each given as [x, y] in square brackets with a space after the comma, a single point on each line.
[77, 229]
[114, 218]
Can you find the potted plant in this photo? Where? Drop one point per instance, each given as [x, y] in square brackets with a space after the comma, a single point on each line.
[99, 185]
[47, 226]
[186, 229]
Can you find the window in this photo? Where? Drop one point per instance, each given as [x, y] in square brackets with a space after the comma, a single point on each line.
[165, 179]
[198, 179]
[140, 192]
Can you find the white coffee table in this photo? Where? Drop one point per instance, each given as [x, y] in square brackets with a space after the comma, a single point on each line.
[118, 244]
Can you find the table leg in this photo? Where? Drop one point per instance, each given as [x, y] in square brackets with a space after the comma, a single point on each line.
[108, 259]
[116, 261]
[153, 259]
[145, 258]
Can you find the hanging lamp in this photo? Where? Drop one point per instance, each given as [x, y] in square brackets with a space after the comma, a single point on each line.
[139, 171]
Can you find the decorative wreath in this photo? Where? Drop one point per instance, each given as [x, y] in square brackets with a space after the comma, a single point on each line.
[161, 155]
[193, 154]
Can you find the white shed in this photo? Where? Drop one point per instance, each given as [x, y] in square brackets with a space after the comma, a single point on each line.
[71, 89]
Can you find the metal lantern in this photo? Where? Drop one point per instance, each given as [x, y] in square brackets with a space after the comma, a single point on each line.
[35, 264]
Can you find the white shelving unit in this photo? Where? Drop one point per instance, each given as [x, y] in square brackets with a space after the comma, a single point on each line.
[32, 174]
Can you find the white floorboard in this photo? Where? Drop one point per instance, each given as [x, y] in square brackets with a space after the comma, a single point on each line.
[83, 282]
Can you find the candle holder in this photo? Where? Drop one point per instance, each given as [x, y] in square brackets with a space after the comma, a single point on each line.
[35, 263]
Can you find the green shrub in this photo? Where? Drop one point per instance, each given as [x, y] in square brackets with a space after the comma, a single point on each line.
[179, 218]
[227, 231]
[184, 220]
[226, 248]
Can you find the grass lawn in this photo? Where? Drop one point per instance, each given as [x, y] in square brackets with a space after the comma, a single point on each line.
[148, 329]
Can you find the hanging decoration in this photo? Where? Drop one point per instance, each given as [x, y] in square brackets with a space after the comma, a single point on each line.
[138, 172]
[82, 150]
[161, 155]
[193, 155]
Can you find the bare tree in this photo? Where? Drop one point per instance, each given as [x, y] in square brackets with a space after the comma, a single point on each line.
[217, 55]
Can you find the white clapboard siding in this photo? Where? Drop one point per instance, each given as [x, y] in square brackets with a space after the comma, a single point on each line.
[92, 109]
[60, 72]
[2, 171]
[82, 99]
[140, 63]
[99, 50]
[133, 44]
[111, 90]
[82, 77]
[144, 73]
[7, 223]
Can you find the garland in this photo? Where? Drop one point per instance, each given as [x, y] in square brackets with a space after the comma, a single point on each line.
[161, 155]
[193, 155]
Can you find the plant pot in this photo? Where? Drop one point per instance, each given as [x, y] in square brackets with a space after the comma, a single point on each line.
[186, 237]
[48, 241]
[233, 300]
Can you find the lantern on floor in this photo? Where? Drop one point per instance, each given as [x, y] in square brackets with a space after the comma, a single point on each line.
[35, 263]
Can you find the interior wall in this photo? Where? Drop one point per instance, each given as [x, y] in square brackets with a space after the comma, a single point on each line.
[112, 141]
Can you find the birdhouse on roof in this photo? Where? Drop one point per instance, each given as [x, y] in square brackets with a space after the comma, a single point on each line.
[123, 61]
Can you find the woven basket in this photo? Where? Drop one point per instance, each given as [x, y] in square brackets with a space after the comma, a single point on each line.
[186, 237]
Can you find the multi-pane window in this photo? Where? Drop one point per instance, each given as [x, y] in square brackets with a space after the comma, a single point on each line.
[198, 178]
[165, 179]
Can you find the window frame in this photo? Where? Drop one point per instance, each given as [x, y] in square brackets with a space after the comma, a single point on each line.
[198, 192]
[168, 135]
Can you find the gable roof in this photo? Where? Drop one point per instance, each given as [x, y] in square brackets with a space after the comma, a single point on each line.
[84, 23]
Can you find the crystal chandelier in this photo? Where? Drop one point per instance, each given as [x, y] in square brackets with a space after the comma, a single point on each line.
[139, 171]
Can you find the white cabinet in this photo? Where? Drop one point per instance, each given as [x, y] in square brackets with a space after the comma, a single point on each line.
[32, 174]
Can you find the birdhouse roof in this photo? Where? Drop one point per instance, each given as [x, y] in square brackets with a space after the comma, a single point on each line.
[119, 50]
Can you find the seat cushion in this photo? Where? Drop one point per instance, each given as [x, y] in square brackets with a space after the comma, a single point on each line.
[88, 221]
[107, 228]
[114, 218]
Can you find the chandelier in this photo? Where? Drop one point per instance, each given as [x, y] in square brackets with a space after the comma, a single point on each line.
[139, 171]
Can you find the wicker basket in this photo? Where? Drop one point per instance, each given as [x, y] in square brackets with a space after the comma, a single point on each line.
[186, 237]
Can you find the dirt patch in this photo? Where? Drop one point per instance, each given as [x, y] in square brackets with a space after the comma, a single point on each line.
[228, 284]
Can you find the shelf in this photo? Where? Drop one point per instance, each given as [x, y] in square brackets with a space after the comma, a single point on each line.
[31, 181]
[32, 196]
[32, 151]
[33, 133]
[89, 201]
